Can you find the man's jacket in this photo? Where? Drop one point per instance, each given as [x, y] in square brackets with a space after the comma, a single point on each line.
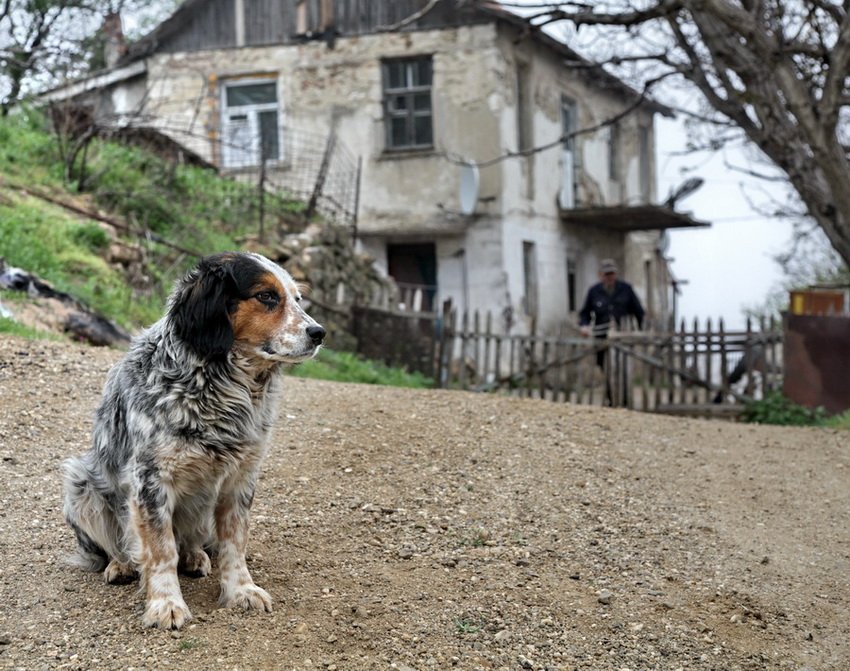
[603, 306]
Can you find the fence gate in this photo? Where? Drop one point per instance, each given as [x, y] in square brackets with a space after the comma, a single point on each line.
[699, 371]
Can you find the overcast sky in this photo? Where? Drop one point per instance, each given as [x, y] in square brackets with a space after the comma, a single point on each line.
[728, 267]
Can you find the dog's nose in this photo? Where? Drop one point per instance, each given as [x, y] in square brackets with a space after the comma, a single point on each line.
[316, 334]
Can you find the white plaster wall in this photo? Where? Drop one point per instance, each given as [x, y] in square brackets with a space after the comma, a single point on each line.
[315, 84]
[475, 117]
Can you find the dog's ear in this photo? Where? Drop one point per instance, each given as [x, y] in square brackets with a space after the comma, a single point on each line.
[199, 309]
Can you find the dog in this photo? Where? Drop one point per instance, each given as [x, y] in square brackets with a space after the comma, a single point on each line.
[180, 434]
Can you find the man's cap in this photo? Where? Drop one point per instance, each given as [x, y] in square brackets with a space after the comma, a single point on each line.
[608, 266]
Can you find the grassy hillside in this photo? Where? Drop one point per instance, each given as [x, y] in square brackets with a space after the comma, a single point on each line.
[190, 207]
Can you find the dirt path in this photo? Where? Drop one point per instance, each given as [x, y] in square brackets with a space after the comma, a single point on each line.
[431, 530]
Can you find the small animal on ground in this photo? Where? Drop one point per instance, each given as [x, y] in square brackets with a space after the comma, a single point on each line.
[181, 432]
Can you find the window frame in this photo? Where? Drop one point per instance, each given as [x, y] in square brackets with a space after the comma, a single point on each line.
[568, 112]
[531, 280]
[230, 155]
[409, 91]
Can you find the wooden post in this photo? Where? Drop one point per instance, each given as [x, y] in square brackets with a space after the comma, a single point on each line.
[695, 349]
[488, 335]
[464, 336]
[772, 366]
[645, 370]
[530, 364]
[476, 347]
[709, 347]
[683, 339]
[322, 175]
[544, 371]
[724, 362]
[748, 354]
[261, 196]
[498, 362]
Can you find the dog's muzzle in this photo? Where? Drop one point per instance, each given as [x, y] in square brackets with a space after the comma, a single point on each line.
[316, 334]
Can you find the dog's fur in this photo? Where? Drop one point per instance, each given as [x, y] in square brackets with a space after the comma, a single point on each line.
[181, 431]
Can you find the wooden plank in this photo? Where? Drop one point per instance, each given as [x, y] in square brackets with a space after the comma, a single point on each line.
[748, 354]
[476, 349]
[701, 409]
[543, 369]
[488, 335]
[464, 341]
[687, 375]
[709, 355]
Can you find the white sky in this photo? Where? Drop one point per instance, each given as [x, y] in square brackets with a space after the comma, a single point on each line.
[729, 266]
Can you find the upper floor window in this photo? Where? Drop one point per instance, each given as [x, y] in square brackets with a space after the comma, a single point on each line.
[529, 274]
[570, 156]
[407, 103]
[614, 151]
[524, 107]
[645, 170]
[251, 131]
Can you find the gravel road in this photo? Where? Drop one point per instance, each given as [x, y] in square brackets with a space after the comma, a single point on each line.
[416, 530]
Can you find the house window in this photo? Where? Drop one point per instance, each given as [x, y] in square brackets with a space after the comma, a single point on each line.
[525, 113]
[569, 154]
[407, 103]
[250, 124]
[644, 172]
[614, 152]
[529, 270]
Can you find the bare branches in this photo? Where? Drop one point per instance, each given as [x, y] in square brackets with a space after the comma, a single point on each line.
[777, 70]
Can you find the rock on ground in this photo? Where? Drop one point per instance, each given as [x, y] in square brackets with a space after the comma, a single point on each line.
[402, 529]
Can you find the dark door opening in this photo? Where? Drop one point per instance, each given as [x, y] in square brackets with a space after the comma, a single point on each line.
[414, 266]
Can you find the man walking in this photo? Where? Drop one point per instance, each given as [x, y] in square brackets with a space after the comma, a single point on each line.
[608, 299]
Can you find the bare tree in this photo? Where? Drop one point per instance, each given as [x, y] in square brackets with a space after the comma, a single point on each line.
[43, 42]
[776, 71]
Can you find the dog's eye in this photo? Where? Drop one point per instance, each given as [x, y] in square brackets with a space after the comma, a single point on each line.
[267, 298]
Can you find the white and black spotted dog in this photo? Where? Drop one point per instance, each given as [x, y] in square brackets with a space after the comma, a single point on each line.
[181, 431]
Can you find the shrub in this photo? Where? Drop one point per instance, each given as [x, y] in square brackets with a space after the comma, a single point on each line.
[776, 408]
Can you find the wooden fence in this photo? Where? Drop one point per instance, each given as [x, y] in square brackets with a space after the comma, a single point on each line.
[698, 370]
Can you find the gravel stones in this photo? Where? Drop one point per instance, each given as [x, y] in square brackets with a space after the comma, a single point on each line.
[433, 530]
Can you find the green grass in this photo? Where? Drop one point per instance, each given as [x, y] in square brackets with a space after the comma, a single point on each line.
[188, 206]
[347, 367]
[11, 327]
[59, 248]
[840, 421]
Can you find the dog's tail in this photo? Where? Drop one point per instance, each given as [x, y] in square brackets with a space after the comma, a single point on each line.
[89, 515]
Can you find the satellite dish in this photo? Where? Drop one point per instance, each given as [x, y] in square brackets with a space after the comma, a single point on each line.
[469, 180]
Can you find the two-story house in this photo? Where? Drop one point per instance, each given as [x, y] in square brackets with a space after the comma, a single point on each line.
[450, 106]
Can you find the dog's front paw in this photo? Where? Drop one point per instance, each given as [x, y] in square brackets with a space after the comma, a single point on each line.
[166, 613]
[195, 564]
[119, 573]
[248, 597]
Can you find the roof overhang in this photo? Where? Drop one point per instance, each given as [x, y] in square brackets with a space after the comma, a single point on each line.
[96, 81]
[628, 218]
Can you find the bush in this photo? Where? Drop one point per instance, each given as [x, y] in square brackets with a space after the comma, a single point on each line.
[776, 408]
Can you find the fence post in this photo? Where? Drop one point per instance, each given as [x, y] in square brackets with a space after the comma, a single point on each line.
[443, 358]
[748, 357]
[464, 328]
[497, 364]
[724, 363]
[488, 334]
[709, 346]
[261, 195]
[321, 176]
